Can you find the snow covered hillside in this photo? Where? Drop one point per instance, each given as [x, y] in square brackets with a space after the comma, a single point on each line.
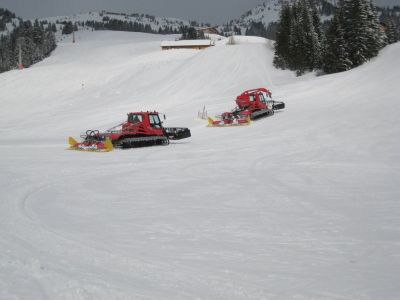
[300, 205]
[268, 12]
[154, 23]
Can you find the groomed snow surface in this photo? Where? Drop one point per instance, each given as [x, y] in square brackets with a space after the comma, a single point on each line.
[301, 205]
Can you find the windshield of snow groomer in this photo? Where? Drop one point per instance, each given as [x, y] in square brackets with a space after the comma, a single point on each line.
[267, 96]
[263, 97]
[136, 118]
[155, 121]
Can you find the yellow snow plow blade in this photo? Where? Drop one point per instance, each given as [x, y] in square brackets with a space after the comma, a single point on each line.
[72, 142]
[106, 146]
[212, 123]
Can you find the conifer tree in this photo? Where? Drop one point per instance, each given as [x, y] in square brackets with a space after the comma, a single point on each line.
[37, 33]
[353, 37]
[361, 30]
[356, 30]
[311, 40]
[7, 59]
[256, 29]
[297, 45]
[375, 37]
[320, 34]
[391, 32]
[281, 56]
[68, 28]
[336, 58]
[299, 38]
[34, 41]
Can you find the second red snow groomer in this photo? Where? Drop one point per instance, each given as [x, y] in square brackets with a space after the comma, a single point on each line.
[251, 105]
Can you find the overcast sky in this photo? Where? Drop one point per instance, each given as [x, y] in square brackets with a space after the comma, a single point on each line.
[213, 11]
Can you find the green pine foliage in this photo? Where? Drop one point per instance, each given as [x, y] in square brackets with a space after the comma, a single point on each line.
[256, 29]
[35, 40]
[336, 57]
[281, 57]
[299, 40]
[353, 37]
[271, 30]
[297, 47]
[376, 38]
[319, 31]
[391, 33]
[311, 40]
[357, 32]
[68, 28]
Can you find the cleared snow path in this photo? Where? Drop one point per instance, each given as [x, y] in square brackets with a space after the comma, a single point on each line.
[301, 205]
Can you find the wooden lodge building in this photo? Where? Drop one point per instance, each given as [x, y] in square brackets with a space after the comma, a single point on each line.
[186, 44]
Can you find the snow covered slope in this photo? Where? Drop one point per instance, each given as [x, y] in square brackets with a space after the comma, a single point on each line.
[268, 11]
[154, 22]
[301, 205]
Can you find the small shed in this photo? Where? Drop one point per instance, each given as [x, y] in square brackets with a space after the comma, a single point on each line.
[186, 44]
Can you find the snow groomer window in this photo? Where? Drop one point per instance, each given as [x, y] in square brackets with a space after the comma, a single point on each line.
[136, 118]
[155, 121]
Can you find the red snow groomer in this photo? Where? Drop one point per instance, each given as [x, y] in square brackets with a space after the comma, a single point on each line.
[141, 129]
[251, 105]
